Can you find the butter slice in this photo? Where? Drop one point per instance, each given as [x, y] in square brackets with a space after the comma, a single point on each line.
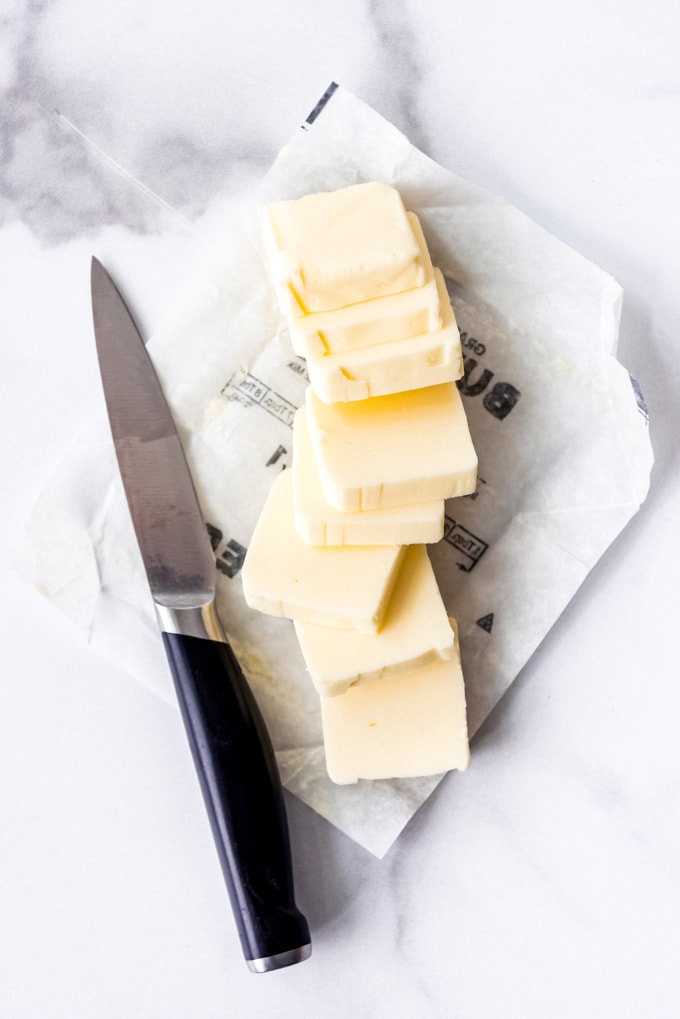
[340, 247]
[318, 523]
[283, 576]
[376, 321]
[408, 725]
[392, 450]
[415, 631]
[411, 363]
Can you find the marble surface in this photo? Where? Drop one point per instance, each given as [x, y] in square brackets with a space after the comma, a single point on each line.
[545, 880]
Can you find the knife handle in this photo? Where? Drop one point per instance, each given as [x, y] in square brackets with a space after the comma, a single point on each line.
[239, 779]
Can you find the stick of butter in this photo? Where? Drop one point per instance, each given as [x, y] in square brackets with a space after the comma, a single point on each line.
[375, 321]
[392, 450]
[283, 576]
[415, 631]
[340, 247]
[318, 523]
[410, 724]
[410, 363]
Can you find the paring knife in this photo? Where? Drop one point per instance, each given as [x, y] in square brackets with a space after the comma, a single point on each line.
[229, 742]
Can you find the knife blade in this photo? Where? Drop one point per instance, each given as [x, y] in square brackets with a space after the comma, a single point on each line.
[227, 735]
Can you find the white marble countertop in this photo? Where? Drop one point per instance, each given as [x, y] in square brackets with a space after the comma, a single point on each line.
[545, 881]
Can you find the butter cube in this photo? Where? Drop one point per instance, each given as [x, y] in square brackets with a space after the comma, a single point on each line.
[407, 725]
[415, 631]
[318, 523]
[411, 363]
[340, 247]
[392, 450]
[375, 321]
[283, 576]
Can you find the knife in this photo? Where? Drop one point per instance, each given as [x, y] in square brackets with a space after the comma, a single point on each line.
[229, 743]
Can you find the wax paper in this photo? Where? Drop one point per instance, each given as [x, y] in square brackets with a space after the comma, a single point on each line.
[559, 426]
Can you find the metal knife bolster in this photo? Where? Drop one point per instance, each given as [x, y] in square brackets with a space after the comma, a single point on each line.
[194, 621]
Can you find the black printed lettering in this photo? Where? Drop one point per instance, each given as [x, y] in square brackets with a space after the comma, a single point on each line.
[231, 560]
[468, 388]
[276, 455]
[215, 536]
[501, 399]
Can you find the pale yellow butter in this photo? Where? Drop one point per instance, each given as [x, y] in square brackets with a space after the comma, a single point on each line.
[341, 247]
[415, 631]
[318, 523]
[392, 450]
[283, 576]
[411, 363]
[407, 725]
[375, 321]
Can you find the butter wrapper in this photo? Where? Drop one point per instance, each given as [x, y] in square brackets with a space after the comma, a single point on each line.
[559, 426]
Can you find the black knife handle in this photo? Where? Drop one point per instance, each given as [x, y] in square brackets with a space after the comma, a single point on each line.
[243, 796]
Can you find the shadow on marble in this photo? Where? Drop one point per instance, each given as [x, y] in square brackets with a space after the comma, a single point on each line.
[330, 869]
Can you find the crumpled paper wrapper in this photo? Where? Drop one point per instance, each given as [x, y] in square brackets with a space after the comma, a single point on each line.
[559, 426]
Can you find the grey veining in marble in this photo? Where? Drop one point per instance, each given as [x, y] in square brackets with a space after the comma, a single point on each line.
[70, 157]
[63, 178]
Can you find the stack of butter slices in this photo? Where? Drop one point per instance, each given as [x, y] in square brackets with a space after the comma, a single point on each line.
[381, 441]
